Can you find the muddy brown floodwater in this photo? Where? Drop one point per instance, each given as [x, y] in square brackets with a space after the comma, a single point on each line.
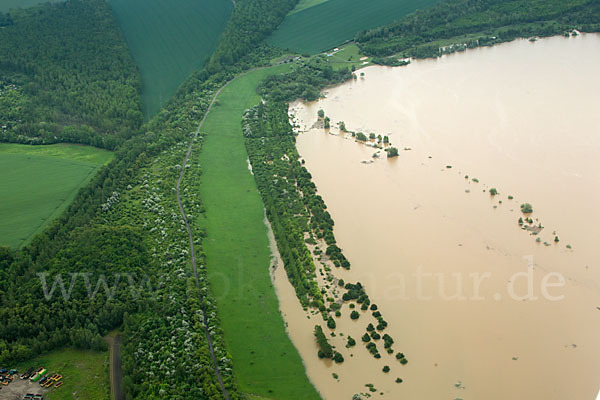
[480, 309]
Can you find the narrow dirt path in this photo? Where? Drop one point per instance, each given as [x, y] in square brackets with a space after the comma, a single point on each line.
[116, 370]
[191, 238]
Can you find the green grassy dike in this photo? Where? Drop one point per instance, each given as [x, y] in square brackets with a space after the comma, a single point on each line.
[265, 361]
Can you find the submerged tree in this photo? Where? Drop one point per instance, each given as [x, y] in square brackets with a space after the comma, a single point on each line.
[361, 136]
[338, 358]
[325, 349]
[331, 323]
[526, 208]
[392, 152]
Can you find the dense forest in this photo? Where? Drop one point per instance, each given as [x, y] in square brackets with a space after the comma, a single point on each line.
[470, 23]
[126, 221]
[268, 140]
[5, 19]
[251, 22]
[33, 324]
[305, 82]
[66, 75]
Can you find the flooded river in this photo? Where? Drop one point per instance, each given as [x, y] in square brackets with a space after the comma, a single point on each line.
[479, 307]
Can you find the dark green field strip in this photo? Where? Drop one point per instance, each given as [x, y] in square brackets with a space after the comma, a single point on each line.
[37, 183]
[238, 256]
[169, 39]
[329, 24]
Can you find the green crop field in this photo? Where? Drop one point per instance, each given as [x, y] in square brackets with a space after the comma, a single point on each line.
[84, 373]
[238, 255]
[333, 22]
[38, 182]
[169, 39]
[6, 5]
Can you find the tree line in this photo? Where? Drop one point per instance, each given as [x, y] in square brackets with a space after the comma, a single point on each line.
[305, 82]
[484, 21]
[5, 19]
[297, 213]
[251, 22]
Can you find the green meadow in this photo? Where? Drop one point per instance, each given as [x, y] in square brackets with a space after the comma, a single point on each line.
[169, 39]
[329, 24]
[38, 182]
[347, 57]
[84, 373]
[267, 365]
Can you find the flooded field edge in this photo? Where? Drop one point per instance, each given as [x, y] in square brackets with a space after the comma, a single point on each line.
[495, 322]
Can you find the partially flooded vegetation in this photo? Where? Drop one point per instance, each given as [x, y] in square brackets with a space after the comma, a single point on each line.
[431, 232]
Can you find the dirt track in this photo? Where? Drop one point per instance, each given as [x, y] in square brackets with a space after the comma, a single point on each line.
[116, 370]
